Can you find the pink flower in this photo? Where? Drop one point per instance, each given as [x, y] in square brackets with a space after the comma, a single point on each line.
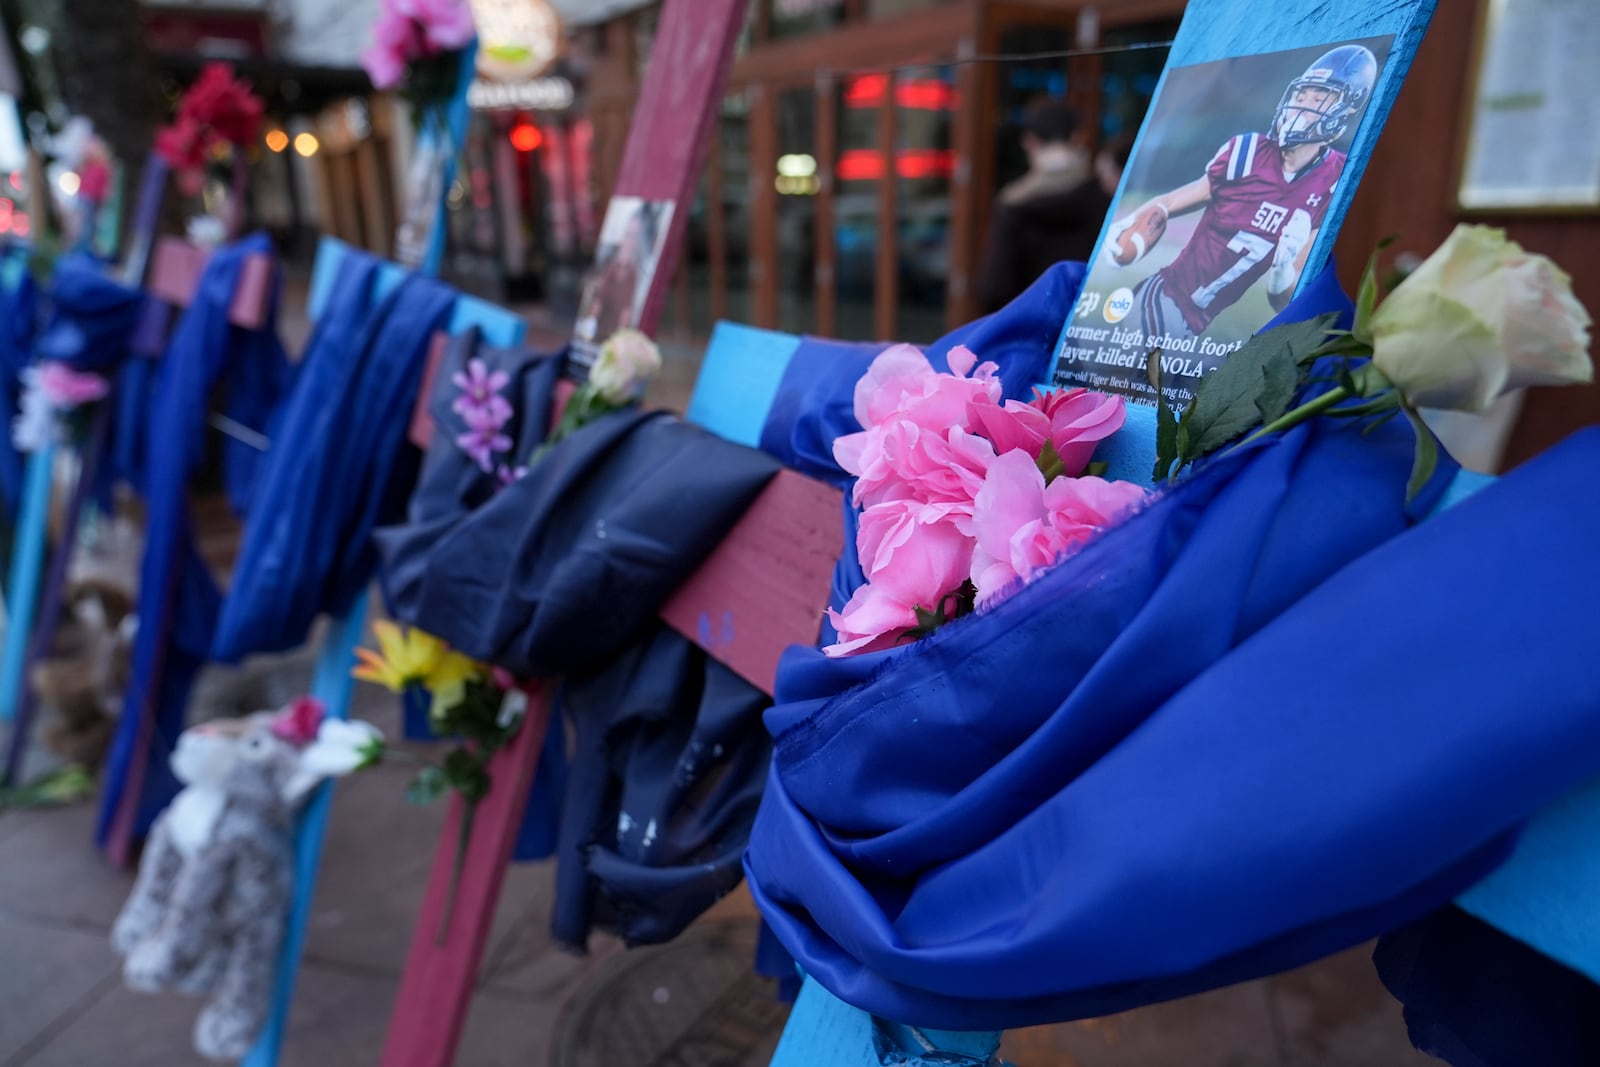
[67, 388]
[1022, 525]
[914, 556]
[446, 23]
[384, 65]
[298, 723]
[901, 383]
[901, 460]
[507, 475]
[1079, 421]
[1010, 427]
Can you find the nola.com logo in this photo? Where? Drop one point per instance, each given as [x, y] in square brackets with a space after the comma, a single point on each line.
[1118, 304]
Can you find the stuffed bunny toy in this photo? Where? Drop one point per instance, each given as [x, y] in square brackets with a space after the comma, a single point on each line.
[208, 910]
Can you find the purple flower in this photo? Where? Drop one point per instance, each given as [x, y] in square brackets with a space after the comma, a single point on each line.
[483, 438]
[479, 385]
[507, 475]
[496, 409]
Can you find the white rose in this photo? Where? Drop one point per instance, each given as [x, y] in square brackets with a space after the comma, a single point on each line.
[1478, 319]
[627, 363]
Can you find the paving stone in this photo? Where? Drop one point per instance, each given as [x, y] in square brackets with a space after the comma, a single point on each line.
[49, 971]
[1336, 1013]
[1230, 1027]
[51, 869]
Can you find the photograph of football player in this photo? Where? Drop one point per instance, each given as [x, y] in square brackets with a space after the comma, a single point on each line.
[1262, 198]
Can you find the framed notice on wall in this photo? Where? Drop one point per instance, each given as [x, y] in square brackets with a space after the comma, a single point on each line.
[1533, 128]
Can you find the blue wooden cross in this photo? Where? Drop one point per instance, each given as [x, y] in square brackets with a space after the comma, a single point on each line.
[823, 1029]
[331, 679]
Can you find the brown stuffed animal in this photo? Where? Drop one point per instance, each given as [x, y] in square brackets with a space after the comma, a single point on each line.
[79, 684]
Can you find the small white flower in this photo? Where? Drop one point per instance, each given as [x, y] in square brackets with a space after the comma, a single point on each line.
[627, 363]
[342, 746]
[207, 231]
[37, 423]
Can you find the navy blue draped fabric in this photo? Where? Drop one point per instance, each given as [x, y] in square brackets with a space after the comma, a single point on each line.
[178, 599]
[567, 567]
[451, 486]
[563, 573]
[340, 465]
[1258, 722]
[18, 322]
[1476, 997]
[667, 773]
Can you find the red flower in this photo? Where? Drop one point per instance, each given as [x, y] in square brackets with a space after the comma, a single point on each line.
[299, 722]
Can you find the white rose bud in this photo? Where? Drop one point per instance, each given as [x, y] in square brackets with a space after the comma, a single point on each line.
[1478, 319]
[342, 746]
[627, 363]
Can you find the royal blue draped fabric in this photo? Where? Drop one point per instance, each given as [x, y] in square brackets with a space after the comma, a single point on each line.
[339, 467]
[1249, 726]
[178, 600]
[92, 321]
[1257, 722]
[18, 321]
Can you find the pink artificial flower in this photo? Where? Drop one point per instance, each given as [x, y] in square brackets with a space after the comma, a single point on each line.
[67, 388]
[502, 678]
[1022, 525]
[903, 461]
[901, 383]
[447, 23]
[1011, 426]
[1079, 421]
[385, 66]
[299, 722]
[914, 556]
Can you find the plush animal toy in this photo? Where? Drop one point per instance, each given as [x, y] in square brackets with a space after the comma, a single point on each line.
[208, 910]
[79, 683]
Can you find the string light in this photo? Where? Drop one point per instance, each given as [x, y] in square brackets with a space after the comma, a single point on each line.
[306, 144]
[277, 140]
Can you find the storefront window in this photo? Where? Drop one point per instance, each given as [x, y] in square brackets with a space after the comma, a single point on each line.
[926, 102]
[726, 239]
[794, 18]
[1020, 83]
[797, 186]
[1129, 78]
[857, 169]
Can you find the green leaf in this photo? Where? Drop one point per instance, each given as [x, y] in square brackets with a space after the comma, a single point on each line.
[1380, 420]
[1167, 446]
[1367, 296]
[428, 786]
[1426, 457]
[1097, 469]
[1227, 403]
[1279, 377]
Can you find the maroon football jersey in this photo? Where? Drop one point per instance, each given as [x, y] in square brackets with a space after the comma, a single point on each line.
[1251, 200]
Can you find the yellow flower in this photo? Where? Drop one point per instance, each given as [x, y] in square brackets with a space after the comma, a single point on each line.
[405, 657]
[448, 679]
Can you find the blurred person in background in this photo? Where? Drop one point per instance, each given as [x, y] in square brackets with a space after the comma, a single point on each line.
[1055, 211]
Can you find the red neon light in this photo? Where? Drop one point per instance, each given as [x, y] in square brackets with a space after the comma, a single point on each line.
[921, 94]
[866, 165]
[525, 137]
